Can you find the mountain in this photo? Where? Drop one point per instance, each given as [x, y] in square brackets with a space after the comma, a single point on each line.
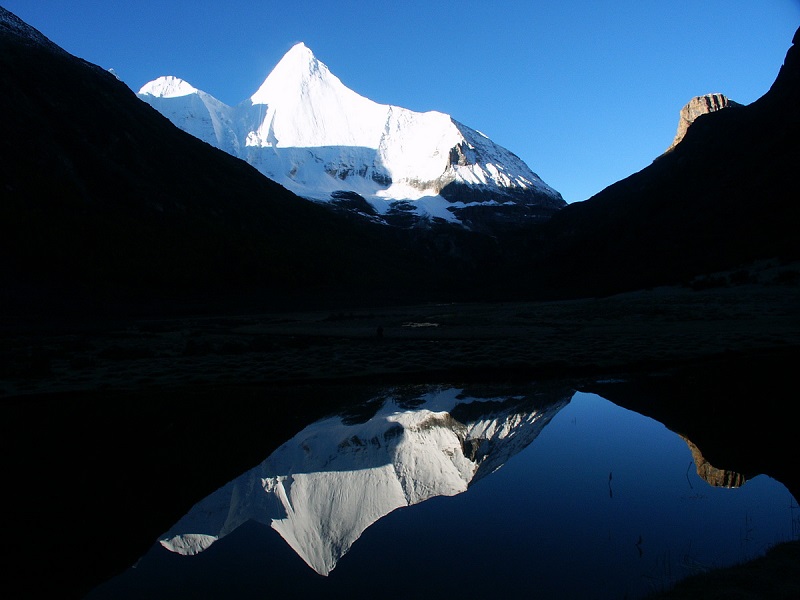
[306, 130]
[699, 105]
[323, 488]
[104, 202]
[724, 196]
[108, 206]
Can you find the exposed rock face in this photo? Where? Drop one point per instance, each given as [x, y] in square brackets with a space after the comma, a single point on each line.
[699, 105]
[709, 473]
[726, 195]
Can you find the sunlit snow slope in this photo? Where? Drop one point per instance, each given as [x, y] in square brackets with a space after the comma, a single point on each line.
[306, 130]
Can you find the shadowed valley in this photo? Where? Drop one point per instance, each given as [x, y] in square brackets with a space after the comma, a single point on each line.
[154, 287]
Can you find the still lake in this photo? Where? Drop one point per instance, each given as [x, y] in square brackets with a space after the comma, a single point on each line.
[424, 491]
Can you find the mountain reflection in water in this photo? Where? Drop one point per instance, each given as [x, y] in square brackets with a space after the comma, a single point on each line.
[592, 501]
[325, 486]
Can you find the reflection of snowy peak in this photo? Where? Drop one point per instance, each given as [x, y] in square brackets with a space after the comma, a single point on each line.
[304, 128]
[335, 478]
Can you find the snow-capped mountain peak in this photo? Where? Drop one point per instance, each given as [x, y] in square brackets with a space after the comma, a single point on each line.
[195, 112]
[308, 106]
[298, 66]
[312, 134]
[168, 87]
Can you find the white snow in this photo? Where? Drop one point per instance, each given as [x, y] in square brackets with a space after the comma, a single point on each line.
[168, 87]
[309, 132]
[188, 544]
[194, 111]
[307, 107]
[323, 488]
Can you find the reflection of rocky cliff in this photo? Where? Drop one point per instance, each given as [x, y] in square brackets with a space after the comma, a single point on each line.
[324, 487]
[712, 475]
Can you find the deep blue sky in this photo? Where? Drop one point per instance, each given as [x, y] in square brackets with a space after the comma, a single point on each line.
[585, 92]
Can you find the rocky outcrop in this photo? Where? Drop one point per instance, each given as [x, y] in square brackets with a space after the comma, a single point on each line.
[699, 105]
[725, 196]
[712, 475]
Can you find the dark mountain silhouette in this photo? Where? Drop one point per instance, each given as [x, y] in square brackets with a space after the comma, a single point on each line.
[725, 195]
[137, 212]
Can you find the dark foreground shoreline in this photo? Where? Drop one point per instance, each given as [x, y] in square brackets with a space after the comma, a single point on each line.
[638, 331]
[113, 428]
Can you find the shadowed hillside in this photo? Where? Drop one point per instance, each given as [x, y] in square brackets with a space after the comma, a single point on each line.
[105, 201]
[107, 206]
[724, 196]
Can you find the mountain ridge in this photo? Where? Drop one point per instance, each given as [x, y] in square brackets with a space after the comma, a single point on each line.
[721, 198]
[139, 215]
[305, 129]
[137, 211]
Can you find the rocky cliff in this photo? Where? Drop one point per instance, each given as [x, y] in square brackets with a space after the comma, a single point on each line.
[699, 105]
[726, 195]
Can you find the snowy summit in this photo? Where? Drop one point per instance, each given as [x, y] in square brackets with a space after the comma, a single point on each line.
[168, 87]
[309, 132]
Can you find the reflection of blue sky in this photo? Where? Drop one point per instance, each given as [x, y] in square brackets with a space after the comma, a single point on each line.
[324, 487]
[545, 521]
[657, 494]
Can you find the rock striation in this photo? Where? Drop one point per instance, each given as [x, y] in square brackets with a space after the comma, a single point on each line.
[723, 197]
[699, 105]
[711, 474]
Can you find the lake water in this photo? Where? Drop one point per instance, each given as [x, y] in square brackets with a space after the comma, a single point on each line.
[525, 492]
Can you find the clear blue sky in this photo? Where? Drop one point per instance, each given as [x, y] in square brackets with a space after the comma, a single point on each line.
[585, 92]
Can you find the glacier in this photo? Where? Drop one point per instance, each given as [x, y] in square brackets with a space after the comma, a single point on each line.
[323, 488]
[309, 132]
